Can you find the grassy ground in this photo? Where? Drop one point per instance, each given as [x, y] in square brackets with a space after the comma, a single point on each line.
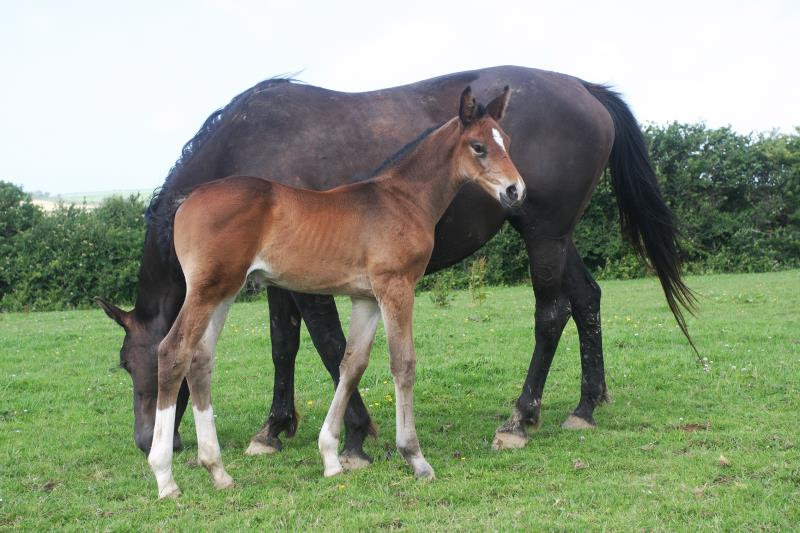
[680, 448]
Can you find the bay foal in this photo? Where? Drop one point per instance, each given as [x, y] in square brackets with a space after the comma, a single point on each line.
[371, 240]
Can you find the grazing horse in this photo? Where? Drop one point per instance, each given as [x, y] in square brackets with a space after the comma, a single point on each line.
[566, 132]
[370, 240]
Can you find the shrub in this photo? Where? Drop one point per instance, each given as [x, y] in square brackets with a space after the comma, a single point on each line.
[72, 254]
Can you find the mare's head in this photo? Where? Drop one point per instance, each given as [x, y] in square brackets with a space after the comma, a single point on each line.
[482, 153]
[138, 358]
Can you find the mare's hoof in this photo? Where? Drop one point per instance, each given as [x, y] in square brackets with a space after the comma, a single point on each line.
[576, 422]
[266, 446]
[509, 441]
[354, 460]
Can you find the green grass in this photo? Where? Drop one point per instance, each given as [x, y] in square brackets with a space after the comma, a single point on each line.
[67, 458]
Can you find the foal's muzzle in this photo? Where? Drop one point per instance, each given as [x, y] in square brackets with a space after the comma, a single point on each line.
[513, 197]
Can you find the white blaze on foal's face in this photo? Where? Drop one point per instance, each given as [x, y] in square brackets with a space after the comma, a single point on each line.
[498, 138]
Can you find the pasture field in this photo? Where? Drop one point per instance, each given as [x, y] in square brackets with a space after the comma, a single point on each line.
[681, 447]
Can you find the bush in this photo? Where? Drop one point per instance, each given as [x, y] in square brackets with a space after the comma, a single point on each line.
[17, 214]
[72, 254]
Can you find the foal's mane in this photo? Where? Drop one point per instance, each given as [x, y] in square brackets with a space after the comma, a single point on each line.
[402, 153]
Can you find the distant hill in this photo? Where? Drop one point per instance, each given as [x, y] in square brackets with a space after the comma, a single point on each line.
[49, 201]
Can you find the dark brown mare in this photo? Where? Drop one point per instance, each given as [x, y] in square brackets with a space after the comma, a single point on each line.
[370, 240]
[566, 131]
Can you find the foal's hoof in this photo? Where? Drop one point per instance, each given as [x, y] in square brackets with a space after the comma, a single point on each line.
[224, 481]
[576, 422]
[177, 443]
[264, 446]
[354, 460]
[333, 471]
[509, 441]
[425, 474]
[170, 492]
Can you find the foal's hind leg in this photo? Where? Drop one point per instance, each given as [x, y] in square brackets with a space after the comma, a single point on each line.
[547, 257]
[584, 295]
[199, 378]
[284, 329]
[363, 322]
[175, 355]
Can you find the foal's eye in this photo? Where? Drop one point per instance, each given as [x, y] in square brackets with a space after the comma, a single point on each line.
[478, 148]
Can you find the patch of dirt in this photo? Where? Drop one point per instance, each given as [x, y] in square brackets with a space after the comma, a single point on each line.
[691, 428]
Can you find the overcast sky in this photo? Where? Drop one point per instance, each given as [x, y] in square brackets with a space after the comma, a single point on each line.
[102, 95]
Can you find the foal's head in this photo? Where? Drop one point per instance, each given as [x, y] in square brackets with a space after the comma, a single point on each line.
[482, 153]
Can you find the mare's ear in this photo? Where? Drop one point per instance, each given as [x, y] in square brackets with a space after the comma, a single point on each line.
[468, 108]
[497, 107]
[123, 318]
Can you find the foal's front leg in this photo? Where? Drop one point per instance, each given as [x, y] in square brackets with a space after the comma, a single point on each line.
[397, 306]
[363, 322]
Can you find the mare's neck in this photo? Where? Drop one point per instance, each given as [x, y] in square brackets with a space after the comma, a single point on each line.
[427, 179]
[159, 295]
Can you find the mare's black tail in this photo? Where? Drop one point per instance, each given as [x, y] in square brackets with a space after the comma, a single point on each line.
[646, 220]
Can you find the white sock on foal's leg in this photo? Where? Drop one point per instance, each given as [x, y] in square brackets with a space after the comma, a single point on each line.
[406, 436]
[160, 457]
[208, 451]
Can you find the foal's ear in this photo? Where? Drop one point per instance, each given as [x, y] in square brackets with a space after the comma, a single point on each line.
[123, 318]
[497, 107]
[467, 111]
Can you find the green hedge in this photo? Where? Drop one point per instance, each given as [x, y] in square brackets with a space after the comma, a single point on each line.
[737, 198]
[63, 258]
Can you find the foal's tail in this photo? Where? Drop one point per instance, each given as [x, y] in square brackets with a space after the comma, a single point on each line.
[646, 220]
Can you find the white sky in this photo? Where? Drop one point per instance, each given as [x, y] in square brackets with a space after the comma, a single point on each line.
[102, 95]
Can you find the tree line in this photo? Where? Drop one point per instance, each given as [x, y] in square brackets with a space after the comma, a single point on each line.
[736, 198]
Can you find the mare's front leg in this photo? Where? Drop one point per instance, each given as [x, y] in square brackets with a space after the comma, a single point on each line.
[363, 322]
[284, 329]
[397, 306]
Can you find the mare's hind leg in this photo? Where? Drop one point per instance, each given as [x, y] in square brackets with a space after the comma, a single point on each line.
[547, 258]
[284, 328]
[199, 378]
[584, 295]
[397, 304]
[175, 355]
[322, 320]
[363, 322]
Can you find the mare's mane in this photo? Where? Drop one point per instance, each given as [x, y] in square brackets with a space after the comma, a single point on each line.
[165, 199]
